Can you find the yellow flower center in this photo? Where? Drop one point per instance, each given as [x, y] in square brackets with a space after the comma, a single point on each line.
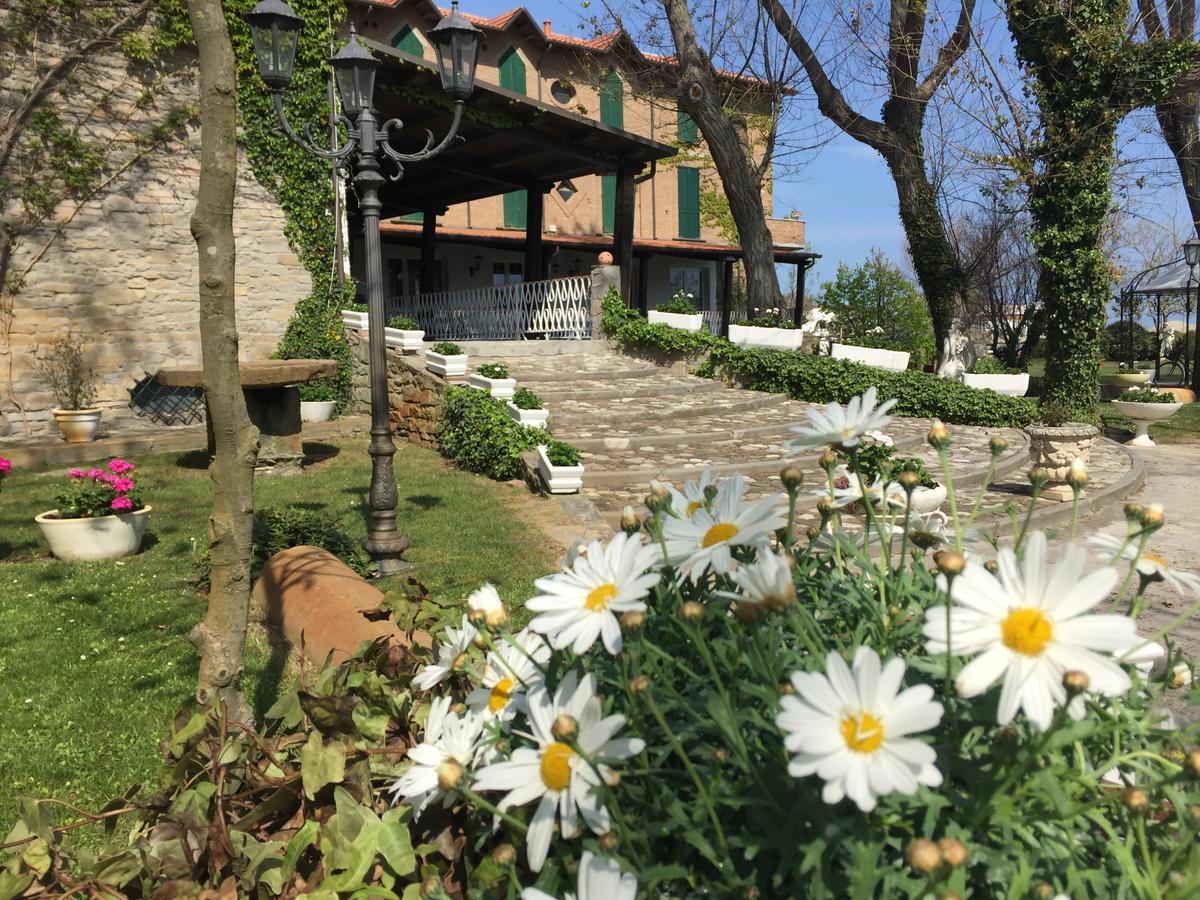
[693, 506]
[862, 733]
[598, 597]
[1155, 558]
[500, 695]
[556, 766]
[1026, 631]
[722, 531]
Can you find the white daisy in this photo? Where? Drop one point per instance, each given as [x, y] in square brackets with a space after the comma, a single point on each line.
[706, 538]
[582, 603]
[684, 503]
[879, 437]
[765, 582]
[452, 655]
[486, 601]
[853, 729]
[848, 488]
[1029, 626]
[842, 426]
[509, 673]
[555, 774]
[448, 747]
[600, 878]
[1149, 564]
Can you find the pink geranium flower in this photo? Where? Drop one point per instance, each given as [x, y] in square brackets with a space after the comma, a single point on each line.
[75, 473]
[5, 466]
[122, 504]
[95, 474]
[122, 485]
[120, 466]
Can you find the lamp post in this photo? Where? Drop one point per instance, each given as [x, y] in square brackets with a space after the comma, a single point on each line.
[275, 29]
[1191, 255]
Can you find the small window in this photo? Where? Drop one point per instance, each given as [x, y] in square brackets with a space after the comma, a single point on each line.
[566, 190]
[563, 92]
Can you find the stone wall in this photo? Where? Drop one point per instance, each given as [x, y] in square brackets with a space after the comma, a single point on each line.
[417, 396]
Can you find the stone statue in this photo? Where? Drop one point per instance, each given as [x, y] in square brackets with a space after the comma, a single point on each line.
[958, 353]
[818, 323]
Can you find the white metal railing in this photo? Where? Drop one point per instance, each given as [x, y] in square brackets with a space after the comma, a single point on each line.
[559, 308]
[712, 318]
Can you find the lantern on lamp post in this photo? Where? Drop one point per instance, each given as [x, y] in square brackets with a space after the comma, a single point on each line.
[275, 29]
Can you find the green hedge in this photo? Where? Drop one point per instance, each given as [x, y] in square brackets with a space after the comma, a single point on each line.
[477, 434]
[629, 328]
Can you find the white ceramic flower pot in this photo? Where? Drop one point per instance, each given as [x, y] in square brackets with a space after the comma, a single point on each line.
[895, 360]
[676, 320]
[534, 418]
[559, 479]
[500, 388]
[404, 340]
[1143, 414]
[1011, 385]
[352, 319]
[771, 338]
[77, 425]
[104, 537]
[927, 499]
[446, 366]
[317, 410]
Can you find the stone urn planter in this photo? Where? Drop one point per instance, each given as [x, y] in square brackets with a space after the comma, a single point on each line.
[78, 425]
[102, 537]
[448, 366]
[1126, 379]
[558, 479]
[1054, 448]
[317, 410]
[1016, 385]
[771, 338]
[682, 321]
[500, 388]
[353, 319]
[1143, 414]
[533, 418]
[403, 339]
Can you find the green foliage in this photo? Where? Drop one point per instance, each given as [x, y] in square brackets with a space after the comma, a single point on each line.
[1146, 395]
[680, 305]
[524, 398]
[560, 453]
[630, 329]
[446, 348]
[95, 493]
[876, 306]
[317, 392]
[356, 306]
[493, 370]
[1118, 337]
[822, 380]
[772, 318]
[877, 459]
[477, 434]
[404, 323]
[70, 379]
[990, 365]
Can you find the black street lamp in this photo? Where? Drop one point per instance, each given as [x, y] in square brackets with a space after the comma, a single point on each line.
[1191, 255]
[275, 30]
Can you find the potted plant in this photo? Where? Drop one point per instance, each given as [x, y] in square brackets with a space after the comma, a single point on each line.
[355, 316]
[404, 333]
[989, 373]
[771, 330]
[5, 470]
[1127, 375]
[1054, 443]
[100, 514]
[317, 401]
[877, 455]
[447, 359]
[73, 384]
[893, 360]
[493, 378]
[526, 407]
[1145, 405]
[678, 312]
[558, 464]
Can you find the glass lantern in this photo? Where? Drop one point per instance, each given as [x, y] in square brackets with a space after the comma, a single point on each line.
[456, 41]
[275, 29]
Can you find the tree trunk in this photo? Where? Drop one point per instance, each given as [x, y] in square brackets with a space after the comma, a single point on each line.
[221, 637]
[1177, 118]
[700, 97]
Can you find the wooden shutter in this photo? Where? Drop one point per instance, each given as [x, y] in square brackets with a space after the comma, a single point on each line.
[406, 39]
[612, 108]
[608, 200]
[689, 202]
[512, 71]
[516, 204]
[685, 128]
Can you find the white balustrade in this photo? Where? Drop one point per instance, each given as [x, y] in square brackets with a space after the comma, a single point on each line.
[558, 309]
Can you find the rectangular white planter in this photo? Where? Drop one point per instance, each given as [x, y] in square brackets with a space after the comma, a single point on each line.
[446, 366]
[559, 479]
[676, 320]
[352, 319]
[771, 338]
[534, 418]
[406, 341]
[1011, 385]
[895, 360]
[500, 388]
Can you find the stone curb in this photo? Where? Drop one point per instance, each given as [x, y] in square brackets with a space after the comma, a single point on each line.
[1100, 499]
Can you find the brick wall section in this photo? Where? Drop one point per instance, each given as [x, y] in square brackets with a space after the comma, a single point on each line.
[417, 396]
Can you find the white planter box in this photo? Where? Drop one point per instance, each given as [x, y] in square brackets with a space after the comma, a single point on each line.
[771, 338]
[1009, 385]
[1143, 414]
[895, 360]
[559, 479]
[500, 388]
[446, 366]
[104, 537]
[534, 418]
[404, 340]
[676, 320]
[352, 319]
[317, 410]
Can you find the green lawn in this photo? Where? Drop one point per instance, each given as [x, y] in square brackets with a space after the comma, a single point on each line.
[94, 657]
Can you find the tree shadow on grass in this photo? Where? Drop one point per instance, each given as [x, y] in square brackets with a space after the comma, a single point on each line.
[424, 501]
[194, 459]
[315, 452]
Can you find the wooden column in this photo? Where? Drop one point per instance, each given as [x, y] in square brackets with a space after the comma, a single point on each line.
[429, 279]
[623, 228]
[535, 260]
[798, 309]
[726, 295]
[643, 291]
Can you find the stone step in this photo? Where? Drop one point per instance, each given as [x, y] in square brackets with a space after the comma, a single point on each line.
[606, 390]
[585, 419]
[566, 373]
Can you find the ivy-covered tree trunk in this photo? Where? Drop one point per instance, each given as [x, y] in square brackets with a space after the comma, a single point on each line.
[221, 636]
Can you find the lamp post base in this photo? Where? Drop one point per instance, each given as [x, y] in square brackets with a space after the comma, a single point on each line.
[390, 565]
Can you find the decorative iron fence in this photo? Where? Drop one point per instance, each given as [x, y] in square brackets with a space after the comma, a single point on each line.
[712, 318]
[558, 309]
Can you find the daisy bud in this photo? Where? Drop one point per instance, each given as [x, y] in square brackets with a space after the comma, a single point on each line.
[1038, 477]
[792, 477]
[949, 562]
[997, 445]
[633, 620]
[720, 754]
[1194, 761]
[1181, 675]
[1135, 799]
[992, 566]
[459, 709]
[748, 613]
[638, 683]
[825, 508]
[692, 611]
[630, 523]
[477, 617]
[607, 842]
[449, 774]
[954, 852]
[1153, 517]
[1134, 512]
[1075, 682]
[504, 855]
[1044, 890]
[751, 893]
[812, 532]
[1077, 475]
[949, 895]
[431, 888]
[787, 688]
[710, 492]
[908, 481]
[658, 499]
[939, 436]
[828, 460]
[924, 856]
[564, 728]
[613, 778]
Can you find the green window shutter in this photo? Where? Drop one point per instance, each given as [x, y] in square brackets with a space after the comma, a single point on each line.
[413, 217]
[689, 202]
[608, 200]
[406, 40]
[685, 128]
[515, 206]
[512, 71]
[612, 109]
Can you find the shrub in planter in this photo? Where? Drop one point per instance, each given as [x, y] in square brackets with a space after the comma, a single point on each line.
[317, 401]
[989, 365]
[447, 359]
[680, 304]
[100, 514]
[1144, 406]
[73, 383]
[477, 434]
[560, 453]
[403, 323]
[446, 348]
[493, 378]
[560, 467]
[527, 408]
[524, 398]
[1146, 395]
[629, 328]
[404, 334]
[493, 370]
